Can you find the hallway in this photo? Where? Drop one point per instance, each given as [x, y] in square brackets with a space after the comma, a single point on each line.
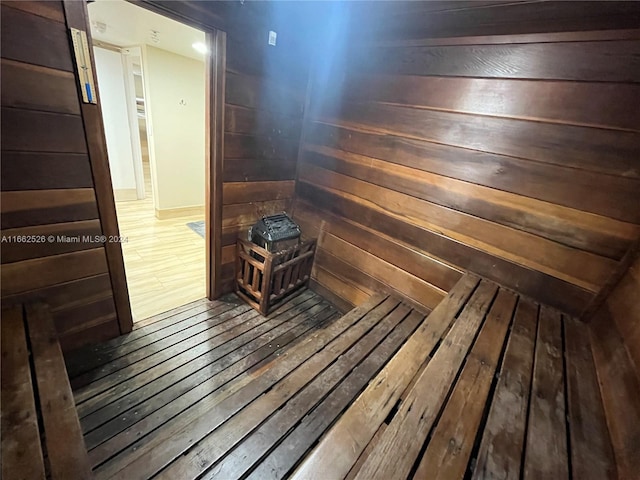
[164, 259]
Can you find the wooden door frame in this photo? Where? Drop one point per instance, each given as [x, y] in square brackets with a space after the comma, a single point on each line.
[77, 17]
[215, 95]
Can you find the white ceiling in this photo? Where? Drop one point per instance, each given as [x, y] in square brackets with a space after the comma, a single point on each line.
[128, 25]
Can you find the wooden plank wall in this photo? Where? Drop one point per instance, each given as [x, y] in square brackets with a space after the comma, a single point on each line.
[515, 157]
[47, 183]
[615, 338]
[263, 120]
[411, 19]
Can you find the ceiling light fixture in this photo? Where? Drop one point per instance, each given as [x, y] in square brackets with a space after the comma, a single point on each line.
[200, 47]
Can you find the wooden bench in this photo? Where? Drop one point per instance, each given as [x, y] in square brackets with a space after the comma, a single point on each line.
[488, 387]
[41, 435]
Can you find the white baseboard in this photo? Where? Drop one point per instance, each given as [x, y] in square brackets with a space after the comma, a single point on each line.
[166, 213]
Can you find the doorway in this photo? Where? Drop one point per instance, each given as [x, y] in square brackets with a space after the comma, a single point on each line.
[152, 79]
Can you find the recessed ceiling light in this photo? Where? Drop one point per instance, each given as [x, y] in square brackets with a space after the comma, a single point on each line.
[200, 47]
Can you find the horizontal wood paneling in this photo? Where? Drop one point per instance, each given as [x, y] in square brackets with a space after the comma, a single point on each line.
[18, 201]
[263, 93]
[18, 277]
[552, 101]
[43, 171]
[338, 302]
[263, 121]
[531, 282]
[416, 20]
[37, 207]
[258, 147]
[73, 319]
[591, 233]
[344, 290]
[71, 294]
[239, 119]
[49, 240]
[248, 212]
[98, 330]
[47, 43]
[516, 161]
[415, 262]
[575, 266]
[493, 38]
[585, 61]
[248, 54]
[38, 88]
[231, 233]
[47, 180]
[331, 263]
[391, 278]
[53, 132]
[245, 192]
[600, 150]
[607, 195]
[258, 170]
[43, 9]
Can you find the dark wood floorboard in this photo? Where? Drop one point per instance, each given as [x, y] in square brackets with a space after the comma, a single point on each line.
[156, 351]
[95, 356]
[485, 386]
[208, 372]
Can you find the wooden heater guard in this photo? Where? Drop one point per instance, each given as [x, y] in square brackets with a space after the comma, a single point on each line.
[265, 284]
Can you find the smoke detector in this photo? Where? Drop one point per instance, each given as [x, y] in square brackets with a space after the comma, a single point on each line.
[155, 36]
[100, 27]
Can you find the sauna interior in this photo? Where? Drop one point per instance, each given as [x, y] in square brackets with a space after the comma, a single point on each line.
[471, 173]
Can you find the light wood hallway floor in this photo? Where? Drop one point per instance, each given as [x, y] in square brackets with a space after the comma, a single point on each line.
[164, 259]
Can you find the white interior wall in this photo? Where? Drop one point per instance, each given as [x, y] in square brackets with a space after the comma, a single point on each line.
[175, 107]
[110, 74]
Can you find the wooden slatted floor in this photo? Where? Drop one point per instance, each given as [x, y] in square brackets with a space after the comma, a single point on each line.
[486, 386]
